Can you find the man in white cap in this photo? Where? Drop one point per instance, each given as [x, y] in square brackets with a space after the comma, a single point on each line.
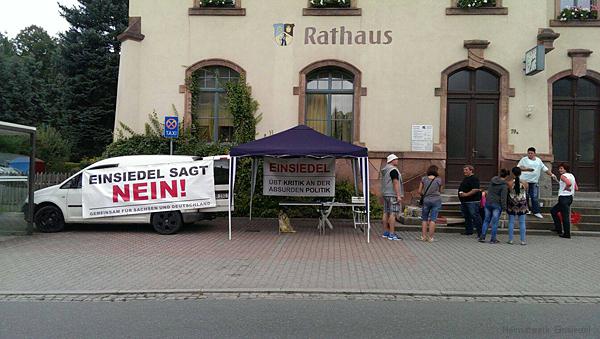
[392, 191]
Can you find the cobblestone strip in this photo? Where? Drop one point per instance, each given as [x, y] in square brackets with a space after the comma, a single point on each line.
[129, 297]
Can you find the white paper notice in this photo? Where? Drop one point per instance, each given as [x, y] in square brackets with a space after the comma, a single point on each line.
[422, 138]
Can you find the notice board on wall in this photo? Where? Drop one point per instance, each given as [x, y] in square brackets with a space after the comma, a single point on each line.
[422, 138]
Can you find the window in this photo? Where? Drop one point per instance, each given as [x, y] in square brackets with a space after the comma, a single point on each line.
[74, 183]
[330, 102]
[579, 13]
[490, 7]
[210, 115]
[332, 8]
[218, 8]
[587, 4]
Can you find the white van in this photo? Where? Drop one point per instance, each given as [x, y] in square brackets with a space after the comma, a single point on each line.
[62, 204]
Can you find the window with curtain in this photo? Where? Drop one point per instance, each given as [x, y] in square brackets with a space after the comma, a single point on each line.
[211, 116]
[330, 102]
[587, 4]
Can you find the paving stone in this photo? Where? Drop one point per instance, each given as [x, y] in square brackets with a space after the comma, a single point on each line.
[201, 259]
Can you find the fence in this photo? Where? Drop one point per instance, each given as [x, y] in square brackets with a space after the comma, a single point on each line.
[13, 189]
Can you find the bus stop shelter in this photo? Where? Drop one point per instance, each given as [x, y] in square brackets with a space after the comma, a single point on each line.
[297, 142]
[17, 185]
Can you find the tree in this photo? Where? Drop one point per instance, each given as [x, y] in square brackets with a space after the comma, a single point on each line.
[89, 55]
[27, 77]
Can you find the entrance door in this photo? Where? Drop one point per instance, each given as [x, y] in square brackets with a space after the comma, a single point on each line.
[472, 125]
[575, 129]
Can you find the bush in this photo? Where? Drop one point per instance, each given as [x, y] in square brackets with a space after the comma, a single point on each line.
[52, 148]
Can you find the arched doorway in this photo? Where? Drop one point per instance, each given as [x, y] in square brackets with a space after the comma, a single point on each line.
[472, 123]
[576, 128]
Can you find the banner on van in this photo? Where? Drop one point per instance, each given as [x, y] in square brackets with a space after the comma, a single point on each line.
[299, 177]
[148, 189]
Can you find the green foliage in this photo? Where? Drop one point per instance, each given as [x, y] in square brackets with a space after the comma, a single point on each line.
[15, 144]
[152, 142]
[52, 148]
[330, 3]
[28, 87]
[475, 3]
[243, 108]
[578, 13]
[217, 3]
[89, 63]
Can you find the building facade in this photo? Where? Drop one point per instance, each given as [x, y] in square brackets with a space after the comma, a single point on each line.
[431, 82]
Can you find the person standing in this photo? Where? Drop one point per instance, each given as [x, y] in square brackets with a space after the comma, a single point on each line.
[494, 205]
[566, 191]
[469, 194]
[532, 168]
[430, 189]
[393, 192]
[516, 205]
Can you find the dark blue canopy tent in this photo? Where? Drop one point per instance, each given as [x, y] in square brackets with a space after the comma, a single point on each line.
[301, 141]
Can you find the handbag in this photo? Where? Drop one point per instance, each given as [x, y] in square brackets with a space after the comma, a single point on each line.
[421, 201]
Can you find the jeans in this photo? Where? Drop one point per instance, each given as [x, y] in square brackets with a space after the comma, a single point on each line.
[430, 210]
[492, 216]
[511, 226]
[564, 207]
[470, 211]
[533, 193]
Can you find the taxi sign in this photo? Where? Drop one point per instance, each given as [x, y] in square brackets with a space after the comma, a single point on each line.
[171, 127]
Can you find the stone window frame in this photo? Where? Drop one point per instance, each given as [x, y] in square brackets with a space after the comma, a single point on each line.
[497, 10]
[353, 10]
[572, 23]
[184, 89]
[238, 10]
[359, 91]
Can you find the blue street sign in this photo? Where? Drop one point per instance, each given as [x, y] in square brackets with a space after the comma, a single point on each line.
[171, 127]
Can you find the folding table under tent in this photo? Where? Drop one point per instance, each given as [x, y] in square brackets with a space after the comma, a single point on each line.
[297, 142]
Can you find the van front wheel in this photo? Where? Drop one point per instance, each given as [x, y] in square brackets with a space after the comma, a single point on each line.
[167, 222]
[49, 219]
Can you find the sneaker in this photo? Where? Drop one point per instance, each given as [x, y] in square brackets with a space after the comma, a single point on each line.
[421, 238]
[539, 215]
[494, 241]
[528, 212]
[565, 236]
[523, 243]
[393, 236]
[386, 234]
[510, 242]
[481, 240]
[432, 239]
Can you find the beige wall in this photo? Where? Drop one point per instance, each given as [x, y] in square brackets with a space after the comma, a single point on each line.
[400, 77]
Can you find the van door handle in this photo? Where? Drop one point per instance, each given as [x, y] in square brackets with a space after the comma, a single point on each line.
[577, 155]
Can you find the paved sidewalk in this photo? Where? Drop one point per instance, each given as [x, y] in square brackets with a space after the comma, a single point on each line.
[258, 259]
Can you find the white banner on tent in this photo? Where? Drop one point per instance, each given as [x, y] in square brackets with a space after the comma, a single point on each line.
[302, 177]
[146, 189]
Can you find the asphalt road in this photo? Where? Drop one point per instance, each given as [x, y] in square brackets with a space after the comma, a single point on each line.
[296, 318]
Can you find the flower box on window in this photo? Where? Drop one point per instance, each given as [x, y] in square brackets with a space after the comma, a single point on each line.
[576, 13]
[476, 7]
[218, 8]
[332, 8]
[216, 3]
[468, 4]
[330, 3]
